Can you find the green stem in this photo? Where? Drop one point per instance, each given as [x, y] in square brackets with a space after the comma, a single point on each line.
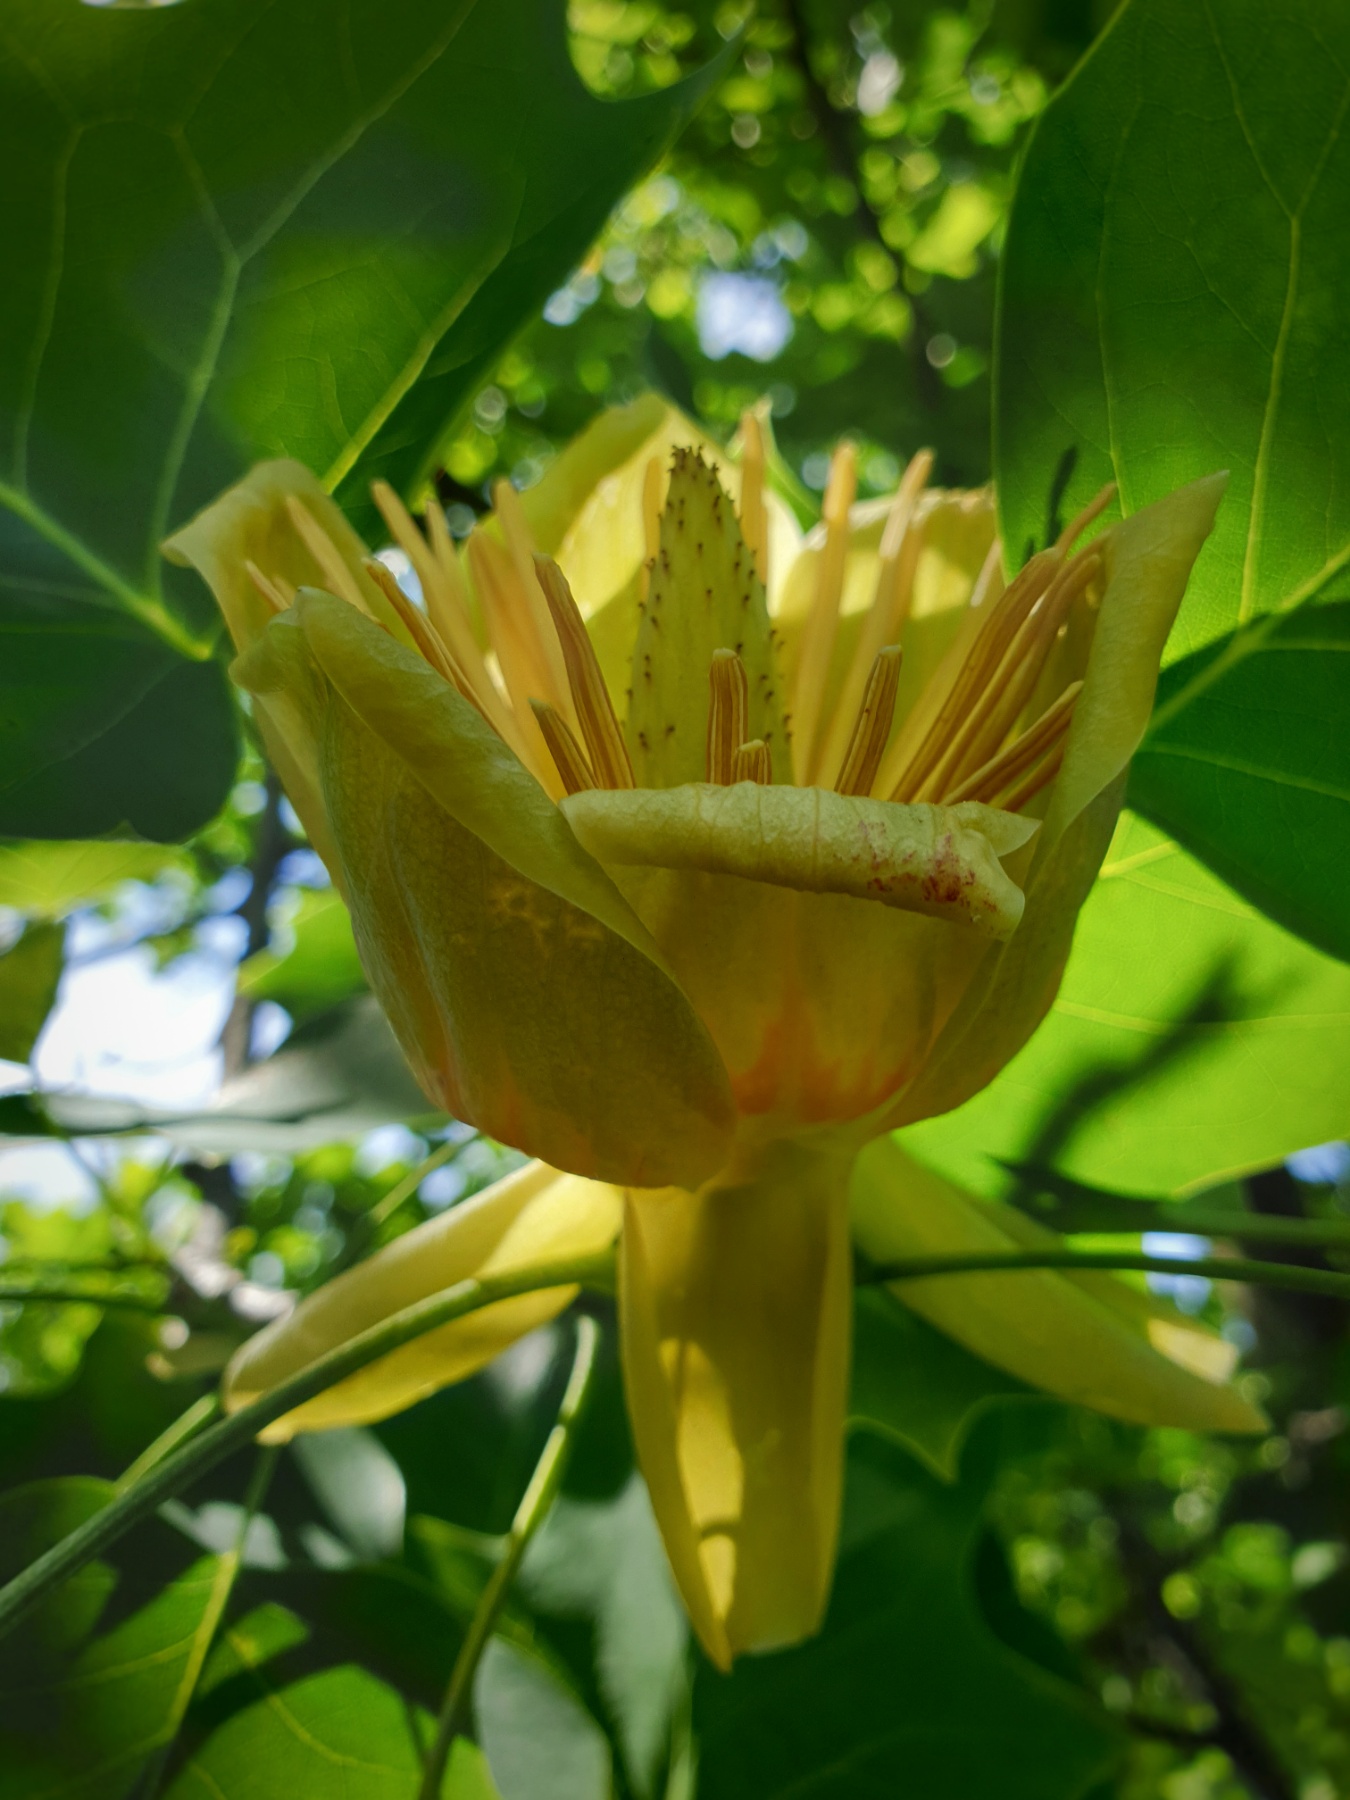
[388, 1204]
[186, 1425]
[530, 1515]
[183, 1466]
[11, 1293]
[1212, 1268]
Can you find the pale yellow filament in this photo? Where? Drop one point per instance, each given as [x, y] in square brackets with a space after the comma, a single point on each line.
[901, 540]
[822, 621]
[339, 578]
[754, 522]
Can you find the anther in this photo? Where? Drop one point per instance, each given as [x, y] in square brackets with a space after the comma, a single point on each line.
[1022, 754]
[728, 709]
[822, 621]
[752, 763]
[590, 696]
[568, 757]
[872, 731]
[1090, 513]
[336, 574]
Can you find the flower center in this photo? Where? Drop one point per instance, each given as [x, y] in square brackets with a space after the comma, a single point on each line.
[989, 725]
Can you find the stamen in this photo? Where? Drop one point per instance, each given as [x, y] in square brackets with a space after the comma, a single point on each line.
[423, 633]
[822, 622]
[885, 618]
[279, 595]
[728, 711]
[443, 588]
[984, 597]
[1008, 693]
[873, 727]
[321, 547]
[1091, 512]
[754, 525]
[1040, 777]
[590, 696]
[752, 762]
[522, 675]
[986, 654]
[529, 596]
[1024, 751]
[567, 754]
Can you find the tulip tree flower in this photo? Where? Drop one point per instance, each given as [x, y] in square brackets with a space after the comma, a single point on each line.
[692, 858]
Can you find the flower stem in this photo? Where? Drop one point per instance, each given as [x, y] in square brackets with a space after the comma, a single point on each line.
[530, 1514]
[1212, 1268]
[183, 1465]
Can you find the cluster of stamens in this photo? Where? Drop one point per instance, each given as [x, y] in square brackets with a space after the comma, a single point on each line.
[542, 691]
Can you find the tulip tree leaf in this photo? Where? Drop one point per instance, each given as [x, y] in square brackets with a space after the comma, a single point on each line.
[97, 1680]
[340, 1075]
[49, 878]
[321, 967]
[1163, 1074]
[1247, 760]
[917, 1387]
[906, 1690]
[250, 228]
[30, 973]
[1172, 304]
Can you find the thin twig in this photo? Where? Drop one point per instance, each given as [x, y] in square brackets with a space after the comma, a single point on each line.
[183, 1466]
[530, 1515]
[1212, 1268]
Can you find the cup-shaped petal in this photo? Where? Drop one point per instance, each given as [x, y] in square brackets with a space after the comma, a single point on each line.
[1147, 561]
[735, 1305]
[533, 1217]
[528, 997]
[1089, 1337]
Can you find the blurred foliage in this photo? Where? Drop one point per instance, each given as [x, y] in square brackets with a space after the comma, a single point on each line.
[825, 232]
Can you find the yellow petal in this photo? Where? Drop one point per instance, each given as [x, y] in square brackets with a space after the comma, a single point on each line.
[253, 523]
[735, 1306]
[528, 997]
[1089, 1338]
[1147, 561]
[533, 1216]
[942, 861]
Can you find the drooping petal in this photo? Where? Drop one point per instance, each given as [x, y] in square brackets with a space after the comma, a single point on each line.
[1147, 562]
[528, 997]
[735, 1307]
[942, 861]
[1088, 1337]
[532, 1217]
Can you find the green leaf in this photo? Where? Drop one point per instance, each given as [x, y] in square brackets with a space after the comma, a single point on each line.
[1170, 305]
[539, 1740]
[604, 1561]
[906, 1690]
[1247, 760]
[915, 1386]
[103, 727]
[98, 1679]
[320, 969]
[30, 974]
[51, 878]
[337, 1077]
[337, 1735]
[1163, 1073]
[238, 229]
